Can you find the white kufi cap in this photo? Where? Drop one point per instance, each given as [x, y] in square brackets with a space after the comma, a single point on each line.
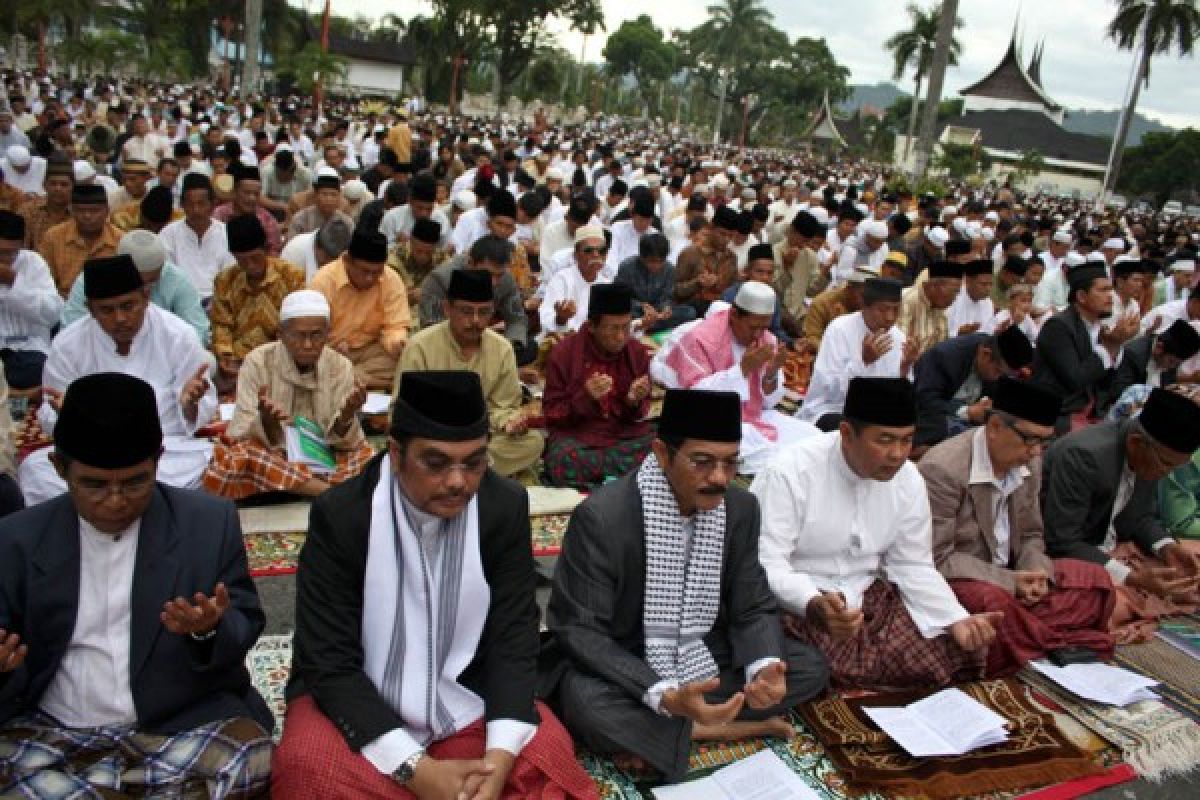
[304, 303]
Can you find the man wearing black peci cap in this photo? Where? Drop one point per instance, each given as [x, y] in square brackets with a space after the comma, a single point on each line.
[371, 318]
[464, 340]
[247, 189]
[973, 308]
[1100, 503]
[327, 206]
[126, 612]
[924, 304]
[664, 628]
[1075, 357]
[1153, 360]
[847, 547]
[430, 685]
[597, 396]
[987, 534]
[417, 256]
[954, 380]
[87, 234]
[126, 333]
[29, 305]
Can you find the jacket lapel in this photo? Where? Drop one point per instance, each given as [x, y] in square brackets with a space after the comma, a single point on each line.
[54, 585]
[985, 515]
[154, 577]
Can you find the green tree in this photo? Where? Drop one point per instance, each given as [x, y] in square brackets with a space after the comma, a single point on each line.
[518, 26]
[961, 160]
[1031, 164]
[914, 48]
[1169, 25]
[733, 36]
[1163, 164]
[637, 48]
[310, 65]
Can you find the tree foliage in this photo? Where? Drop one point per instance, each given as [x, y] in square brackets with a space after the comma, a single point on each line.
[1164, 164]
[1173, 25]
[638, 48]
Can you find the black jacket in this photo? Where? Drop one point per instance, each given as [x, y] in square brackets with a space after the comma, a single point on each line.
[940, 372]
[328, 659]
[1065, 363]
[1133, 370]
[188, 542]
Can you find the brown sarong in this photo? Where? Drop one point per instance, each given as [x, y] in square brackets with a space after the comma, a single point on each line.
[1135, 618]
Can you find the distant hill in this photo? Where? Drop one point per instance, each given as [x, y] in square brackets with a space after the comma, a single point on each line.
[1094, 123]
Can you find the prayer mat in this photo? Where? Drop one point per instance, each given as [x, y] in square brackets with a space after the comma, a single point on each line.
[1153, 738]
[273, 553]
[270, 663]
[1178, 672]
[28, 435]
[1036, 753]
[548, 531]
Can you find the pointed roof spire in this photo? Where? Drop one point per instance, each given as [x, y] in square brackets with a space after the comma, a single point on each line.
[1035, 64]
[823, 126]
[1010, 82]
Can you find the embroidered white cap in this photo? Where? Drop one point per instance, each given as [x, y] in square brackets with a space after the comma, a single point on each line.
[304, 303]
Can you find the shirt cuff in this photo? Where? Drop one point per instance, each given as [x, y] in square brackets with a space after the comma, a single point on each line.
[654, 695]
[390, 750]
[756, 667]
[1118, 571]
[509, 735]
[1161, 543]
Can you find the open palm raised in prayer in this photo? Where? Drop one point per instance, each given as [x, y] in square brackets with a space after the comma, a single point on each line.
[197, 617]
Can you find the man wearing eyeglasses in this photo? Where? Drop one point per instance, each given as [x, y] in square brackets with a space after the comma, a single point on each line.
[846, 545]
[126, 612]
[954, 379]
[416, 639]
[125, 332]
[464, 340]
[664, 628]
[983, 489]
[295, 377]
[564, 305]
[1100, 504]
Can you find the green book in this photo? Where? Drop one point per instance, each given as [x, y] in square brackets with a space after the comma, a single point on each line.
[306, 445]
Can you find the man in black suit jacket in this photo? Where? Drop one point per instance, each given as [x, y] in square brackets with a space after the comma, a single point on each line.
[430, 685]
[1099, 489]
[1075, 357]
[954, 377]
[1153, 360]
[623, 684]
[97, 640]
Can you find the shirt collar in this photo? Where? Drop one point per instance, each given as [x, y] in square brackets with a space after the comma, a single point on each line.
[981, 464]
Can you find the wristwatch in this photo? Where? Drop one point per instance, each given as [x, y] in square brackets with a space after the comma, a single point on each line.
[405, 772]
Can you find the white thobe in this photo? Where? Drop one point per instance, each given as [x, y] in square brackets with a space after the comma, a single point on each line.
[854, 255]
[965, 311]
[1051, 291]
[824, 528]
[166, 354]
[29, 309]
[91, 687]
[1165, 315]
[200, 258]
[625, 240]
[840, 359]
[472, 226]
[400, 220]
[566, 284]
[300, 251]
[756, 450]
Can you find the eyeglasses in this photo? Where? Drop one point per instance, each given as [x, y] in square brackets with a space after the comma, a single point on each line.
[593, 251]
[704, 464]
[441, 468]
[1028, 439]
[98, 491]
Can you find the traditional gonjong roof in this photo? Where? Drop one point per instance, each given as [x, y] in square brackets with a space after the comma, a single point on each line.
[1010, 82]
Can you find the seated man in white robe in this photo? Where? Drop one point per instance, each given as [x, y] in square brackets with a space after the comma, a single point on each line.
[564, 307]
[847, 545]
[866, 343]
[124, 332]
[733, 351]
[972, 309]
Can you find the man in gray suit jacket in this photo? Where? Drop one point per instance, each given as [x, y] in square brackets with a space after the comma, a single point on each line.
[1099, 490]
[126, 612]
[987, 534]
[664, 628]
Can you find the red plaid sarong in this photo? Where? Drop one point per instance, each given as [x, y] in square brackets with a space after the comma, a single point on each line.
[1074, 614]
[313, 760]
[244, 468]
[889, 652]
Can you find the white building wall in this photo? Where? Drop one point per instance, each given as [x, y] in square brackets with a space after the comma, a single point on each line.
[370, 76]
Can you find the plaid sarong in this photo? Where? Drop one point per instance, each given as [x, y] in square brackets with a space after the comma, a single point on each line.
[244, 468]
[570, 463]
[223, 760]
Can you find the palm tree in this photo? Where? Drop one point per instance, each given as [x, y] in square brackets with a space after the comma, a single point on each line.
[947, 21]
[732, 30]
[914, 47]
[1168, 25]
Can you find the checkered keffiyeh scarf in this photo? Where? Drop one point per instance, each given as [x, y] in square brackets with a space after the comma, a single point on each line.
[683, 580]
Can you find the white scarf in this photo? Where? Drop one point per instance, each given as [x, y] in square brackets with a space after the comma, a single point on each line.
[683, 580]
[422, 616]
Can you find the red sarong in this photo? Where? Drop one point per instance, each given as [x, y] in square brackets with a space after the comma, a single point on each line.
[1074, 614]
[314, 761]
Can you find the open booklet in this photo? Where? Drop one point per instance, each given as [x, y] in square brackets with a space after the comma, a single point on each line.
[948, 723]
[762, 776]
[1102, 683]
[306, 445]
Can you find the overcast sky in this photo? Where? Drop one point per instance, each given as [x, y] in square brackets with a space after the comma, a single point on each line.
[1082, 69]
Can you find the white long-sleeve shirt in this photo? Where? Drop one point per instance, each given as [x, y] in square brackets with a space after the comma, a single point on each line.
[965, 311]
[824, 528]
[29, 309]
[91, 687]
[625, 240]
[840, 359]
[566, 284]
[200, 258]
